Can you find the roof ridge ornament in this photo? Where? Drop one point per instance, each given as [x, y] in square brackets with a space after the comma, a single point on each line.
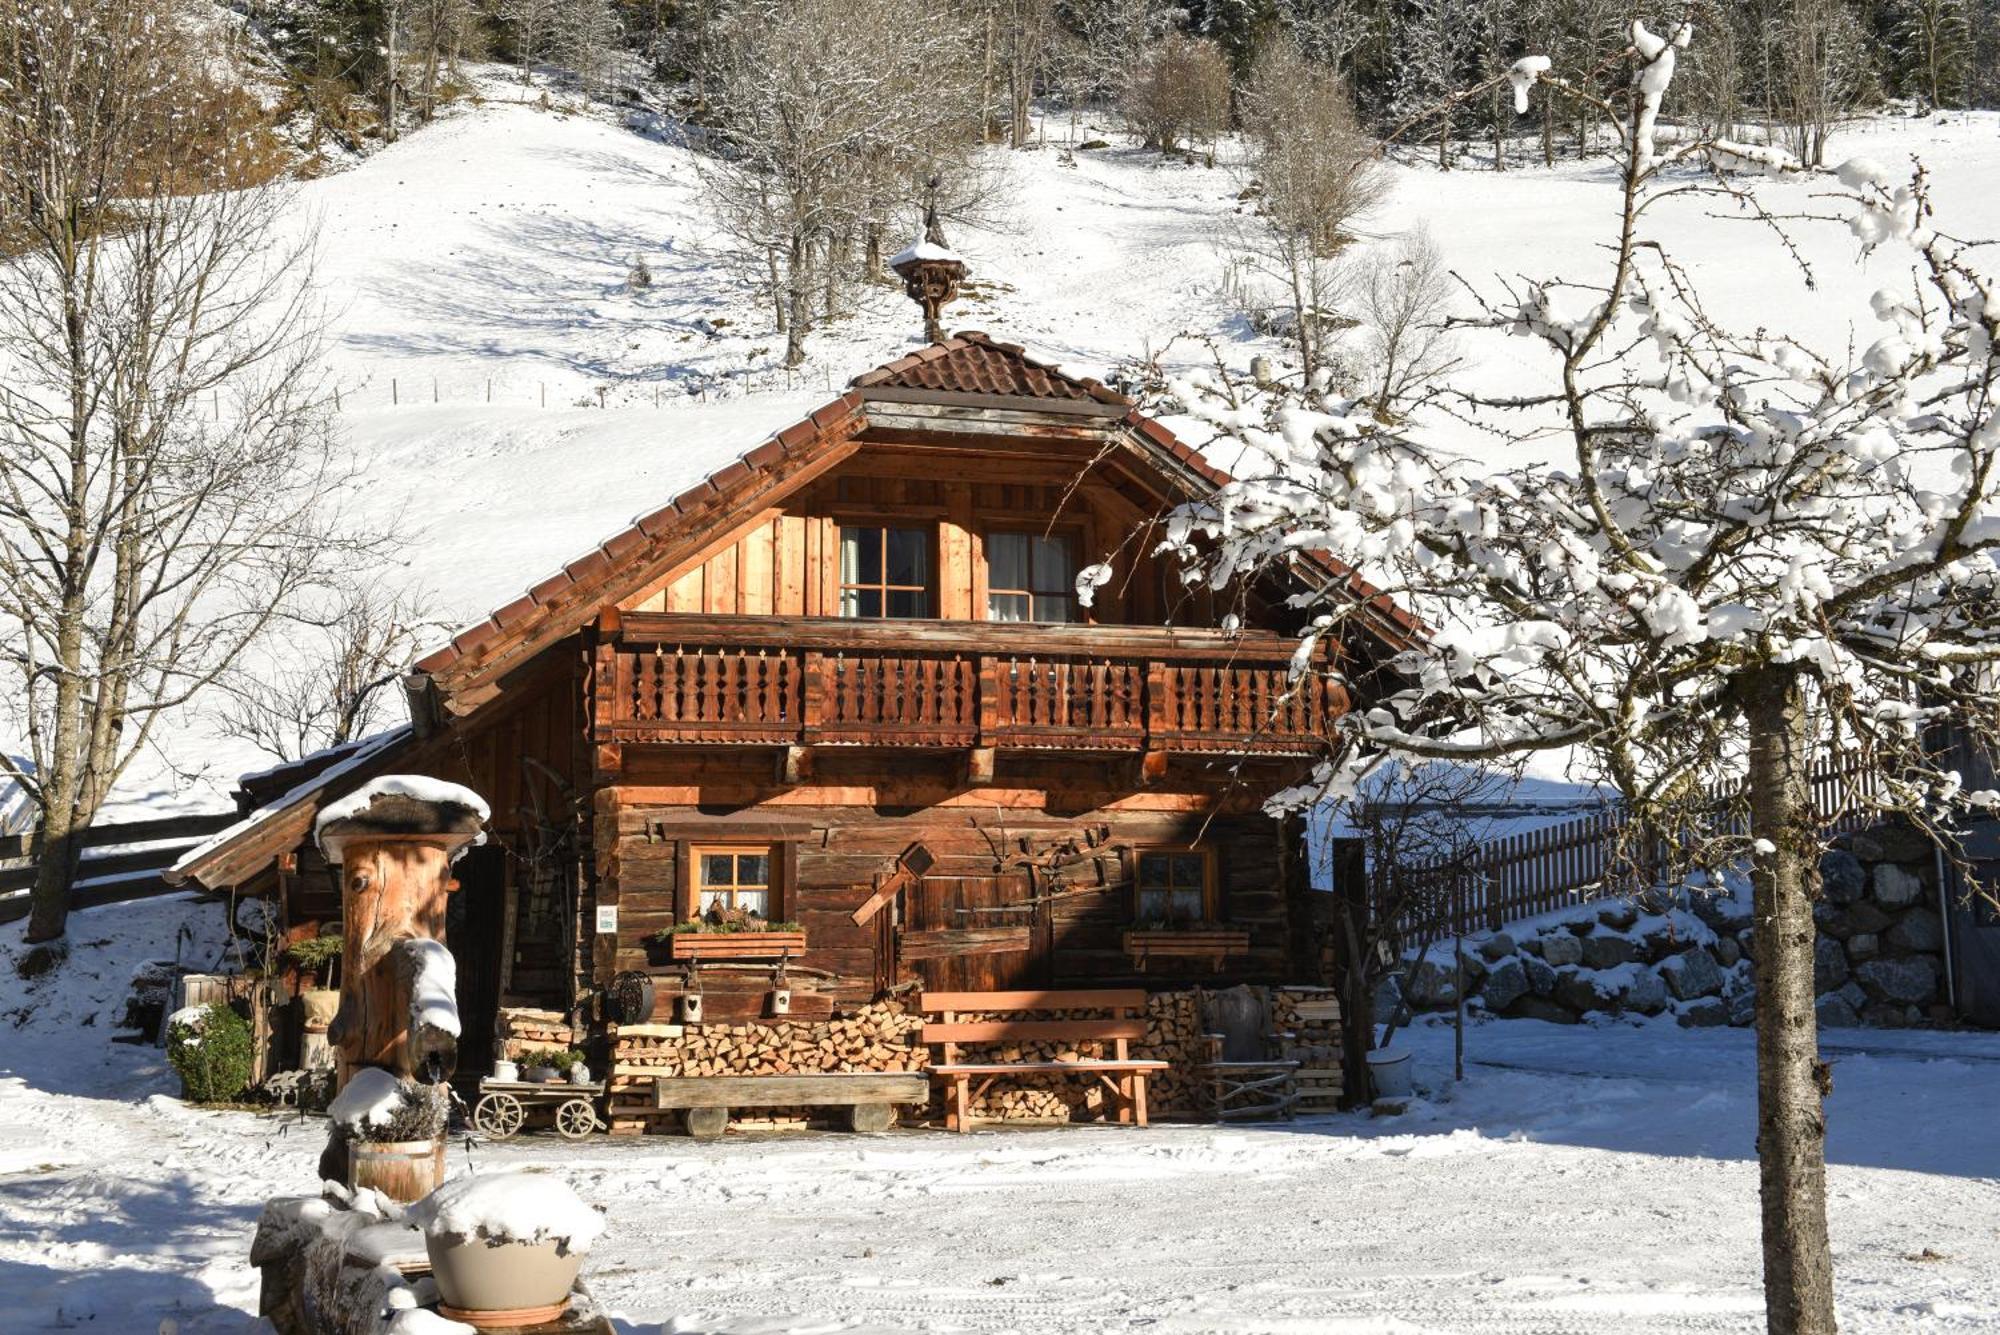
[931, 271]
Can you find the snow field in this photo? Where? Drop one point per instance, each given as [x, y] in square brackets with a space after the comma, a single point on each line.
[1582, 1180]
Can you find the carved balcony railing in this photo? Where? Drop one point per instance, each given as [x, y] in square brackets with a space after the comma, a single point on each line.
[662, 677]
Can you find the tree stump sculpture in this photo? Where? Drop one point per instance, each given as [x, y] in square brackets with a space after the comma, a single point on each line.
[394, 842]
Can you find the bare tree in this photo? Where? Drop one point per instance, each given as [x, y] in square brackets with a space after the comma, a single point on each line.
[165, 464]
[1316, 174]
[1402, 296]
[585, 38]
[326, 684]
[828, 110]
[1180, 92]
[1820, 66]
[532, 24]
[1027, 31]
[442, 33]
[1417, 846]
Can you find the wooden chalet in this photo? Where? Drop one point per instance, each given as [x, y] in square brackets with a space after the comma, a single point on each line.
[846, 683]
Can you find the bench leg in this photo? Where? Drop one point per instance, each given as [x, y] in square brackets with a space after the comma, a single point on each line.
[871, 1117]
[706, 1123]
[1139, 1096]
[1125, 1100]
[961, 1102]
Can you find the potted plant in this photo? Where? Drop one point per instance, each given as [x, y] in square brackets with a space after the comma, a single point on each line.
[317, 958]
[505, 1247]
[541, 1065]
[393, 1130]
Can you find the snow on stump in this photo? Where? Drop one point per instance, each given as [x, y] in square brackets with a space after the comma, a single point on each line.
[395, 840]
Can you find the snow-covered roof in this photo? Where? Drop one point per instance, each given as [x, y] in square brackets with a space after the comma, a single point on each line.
[924, 250]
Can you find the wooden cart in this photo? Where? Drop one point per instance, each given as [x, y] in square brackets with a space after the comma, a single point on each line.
[504, 1106]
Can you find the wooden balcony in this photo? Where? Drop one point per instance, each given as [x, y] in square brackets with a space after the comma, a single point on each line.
[778, 681]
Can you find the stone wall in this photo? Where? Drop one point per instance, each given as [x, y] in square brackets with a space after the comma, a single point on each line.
[1877, 961]
[1602, 959]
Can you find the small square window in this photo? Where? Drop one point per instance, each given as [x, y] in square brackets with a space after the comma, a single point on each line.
[1173, 887]
[884, 572]
[730, 879]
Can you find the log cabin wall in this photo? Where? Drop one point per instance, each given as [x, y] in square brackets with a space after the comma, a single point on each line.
[1032, 882]
[785, 561]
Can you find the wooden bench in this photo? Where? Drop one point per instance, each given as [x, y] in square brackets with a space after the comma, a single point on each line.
[1124, 1075]
[870, 1097]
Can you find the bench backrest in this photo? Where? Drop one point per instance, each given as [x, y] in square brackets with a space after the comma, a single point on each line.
[1125, 1022]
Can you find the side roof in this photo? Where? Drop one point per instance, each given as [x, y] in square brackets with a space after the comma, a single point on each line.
[968, 371]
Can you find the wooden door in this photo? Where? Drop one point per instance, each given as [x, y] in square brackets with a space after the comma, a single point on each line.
[974, 933]
[473, 921]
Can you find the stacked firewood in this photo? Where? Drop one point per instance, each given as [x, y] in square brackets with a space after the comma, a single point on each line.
[522, 1029]
[878, 1037]
[1173, 1034]
[1312, 1016]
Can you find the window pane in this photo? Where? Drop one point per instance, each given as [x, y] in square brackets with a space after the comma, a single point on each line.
[1153, 869]
[1007, 561]
[1186, 905]
[909, 556]
[909, 603]
[754, 901]
[860, 556]
[1152, 905]
[753, 869]
[1188, 869]
[713, 899]
[717, 869]
[1055, 609]
[1054, 567]
[861, 602]
[1007, 607]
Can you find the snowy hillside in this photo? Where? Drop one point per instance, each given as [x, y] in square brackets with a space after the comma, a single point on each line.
[476, 272]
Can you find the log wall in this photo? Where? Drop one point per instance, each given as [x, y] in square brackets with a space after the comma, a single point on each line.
[828, 859]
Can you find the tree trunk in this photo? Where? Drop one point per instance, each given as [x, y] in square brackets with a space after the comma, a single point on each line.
[1791, 1079]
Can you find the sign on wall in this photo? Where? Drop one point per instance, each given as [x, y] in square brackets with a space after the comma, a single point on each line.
[607, 917]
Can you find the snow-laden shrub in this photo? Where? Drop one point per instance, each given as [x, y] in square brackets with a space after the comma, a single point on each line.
[209, 1047]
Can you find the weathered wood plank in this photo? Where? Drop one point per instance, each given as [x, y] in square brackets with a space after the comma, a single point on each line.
[772, 1091]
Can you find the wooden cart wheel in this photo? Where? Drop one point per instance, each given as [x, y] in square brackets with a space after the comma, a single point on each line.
[575, 1119]
[498, 1115]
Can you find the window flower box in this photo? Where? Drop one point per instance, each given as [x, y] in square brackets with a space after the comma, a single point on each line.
[692, 945]
[1207, 942]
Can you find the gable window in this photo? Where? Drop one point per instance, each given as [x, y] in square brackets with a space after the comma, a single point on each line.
[733, 878]
[884, 572]
[1174, 885]
[1030, 577]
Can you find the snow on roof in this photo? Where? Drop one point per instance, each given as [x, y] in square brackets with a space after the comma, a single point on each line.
[924, 250]
[367, 749]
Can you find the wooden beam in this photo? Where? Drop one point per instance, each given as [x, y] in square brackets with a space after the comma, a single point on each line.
[910, 867]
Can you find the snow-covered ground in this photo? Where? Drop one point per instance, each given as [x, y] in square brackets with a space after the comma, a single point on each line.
[1578, 1180]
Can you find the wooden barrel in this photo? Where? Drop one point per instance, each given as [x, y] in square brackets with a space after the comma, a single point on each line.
[402, 1170]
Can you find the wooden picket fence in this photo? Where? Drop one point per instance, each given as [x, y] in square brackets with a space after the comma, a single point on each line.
[1575, 862]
